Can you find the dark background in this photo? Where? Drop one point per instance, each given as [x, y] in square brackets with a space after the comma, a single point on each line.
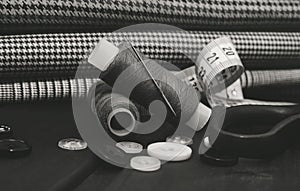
[51, 168]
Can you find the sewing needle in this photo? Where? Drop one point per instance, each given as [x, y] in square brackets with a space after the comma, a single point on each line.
[156, 84]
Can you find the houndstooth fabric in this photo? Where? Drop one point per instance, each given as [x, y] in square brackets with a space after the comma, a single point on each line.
[66, 15]
[61, 54]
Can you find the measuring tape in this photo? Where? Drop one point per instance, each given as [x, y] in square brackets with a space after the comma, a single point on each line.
[219, 64]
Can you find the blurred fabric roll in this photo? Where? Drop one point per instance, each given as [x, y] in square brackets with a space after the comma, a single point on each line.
[25, 16]
[270, 78]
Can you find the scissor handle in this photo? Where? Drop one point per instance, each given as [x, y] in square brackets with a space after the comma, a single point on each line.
[255, 131]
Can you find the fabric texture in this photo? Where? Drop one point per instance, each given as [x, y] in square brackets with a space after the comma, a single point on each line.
[42, 66]
[285, 82]
[45, 90]
[94, 15]
[258, 78]
[61, 54]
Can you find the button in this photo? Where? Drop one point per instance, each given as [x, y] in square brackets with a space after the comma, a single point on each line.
[180, 140]
[14, 148]
[5, 132]
[72, 144]
[130, 147]
[145, 163]
[169, 151]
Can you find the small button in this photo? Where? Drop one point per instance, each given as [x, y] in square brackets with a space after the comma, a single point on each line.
[5, 132]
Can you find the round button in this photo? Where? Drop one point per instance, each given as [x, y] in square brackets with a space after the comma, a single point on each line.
[168, 151]
[72, 144]
[14, 148]
[180, 140]
[130, 147]
[145, 163]
[5, 131]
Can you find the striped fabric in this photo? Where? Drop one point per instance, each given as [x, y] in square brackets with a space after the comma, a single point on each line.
[258, 78]
[61, 54]
[62, 89]
[250, 78]
[44, 90]
[83, 15]
[59, 89]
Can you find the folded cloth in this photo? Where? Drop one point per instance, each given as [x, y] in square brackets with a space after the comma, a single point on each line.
[90, 15]
[61, 54]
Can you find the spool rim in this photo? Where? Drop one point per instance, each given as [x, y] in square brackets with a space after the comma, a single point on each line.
[126, 130]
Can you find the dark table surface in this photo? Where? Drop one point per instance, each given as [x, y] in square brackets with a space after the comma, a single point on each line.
[51, 168]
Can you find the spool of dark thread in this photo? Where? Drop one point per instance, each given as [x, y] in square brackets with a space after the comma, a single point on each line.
[119, 116]
[146, 91]
[110, 107]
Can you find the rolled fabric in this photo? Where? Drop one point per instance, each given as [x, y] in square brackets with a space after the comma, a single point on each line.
[56, 55]
[45, 90]
[274, 78]
[87, 15]
[250, 78]
[65, 89]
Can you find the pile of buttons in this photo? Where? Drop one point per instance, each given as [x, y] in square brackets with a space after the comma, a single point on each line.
[174, 149]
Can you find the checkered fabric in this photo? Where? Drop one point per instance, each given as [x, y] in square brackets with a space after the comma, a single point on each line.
[62, 89]
[60, 54]
[66, 15]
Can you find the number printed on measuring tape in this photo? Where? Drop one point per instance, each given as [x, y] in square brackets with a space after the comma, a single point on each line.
[189, 76]
[219, 59]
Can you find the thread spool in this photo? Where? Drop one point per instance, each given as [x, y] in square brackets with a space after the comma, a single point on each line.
[118, 116]
[114, 61]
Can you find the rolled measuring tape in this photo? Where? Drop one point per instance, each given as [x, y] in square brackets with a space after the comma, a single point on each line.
[218, 65]
[234, 92]
[217, 72]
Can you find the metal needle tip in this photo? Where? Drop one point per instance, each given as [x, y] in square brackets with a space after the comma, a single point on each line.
[156, 84]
